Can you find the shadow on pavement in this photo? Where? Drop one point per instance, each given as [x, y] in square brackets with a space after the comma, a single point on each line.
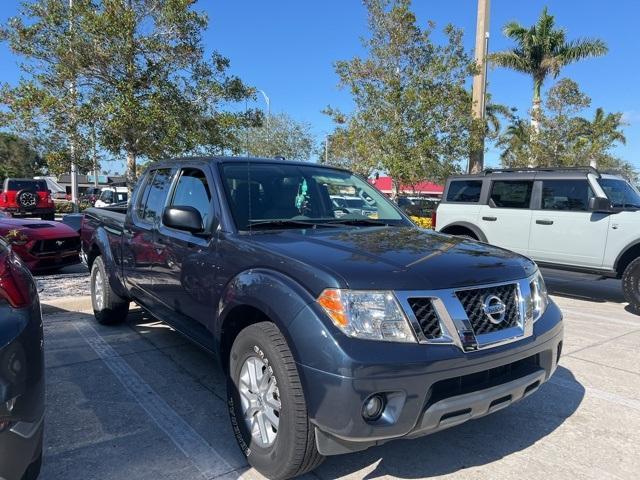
[590, 288]
[114, 427]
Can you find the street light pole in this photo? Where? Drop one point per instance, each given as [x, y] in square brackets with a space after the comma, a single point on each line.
[479, 95]
[268, 102]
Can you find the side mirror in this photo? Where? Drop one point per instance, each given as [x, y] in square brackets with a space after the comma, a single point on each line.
[600, 205]
[183, 218]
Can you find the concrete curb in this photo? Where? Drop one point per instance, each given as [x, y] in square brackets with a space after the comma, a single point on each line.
[75, 304]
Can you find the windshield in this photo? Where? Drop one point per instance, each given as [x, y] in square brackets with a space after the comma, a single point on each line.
[621, 193]
[263, 192]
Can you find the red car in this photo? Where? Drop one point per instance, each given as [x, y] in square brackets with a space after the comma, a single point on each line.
[27, 197]
[42, 245]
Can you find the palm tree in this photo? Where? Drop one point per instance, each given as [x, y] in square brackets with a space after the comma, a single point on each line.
[515, 141]
[542, 50]
[599, 134]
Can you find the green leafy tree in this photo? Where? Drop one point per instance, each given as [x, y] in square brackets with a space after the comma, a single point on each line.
[563, 137]
[280, 136]
[598, 136]
[542, 50]
[137, 67]
[18, 158]
[411, 115]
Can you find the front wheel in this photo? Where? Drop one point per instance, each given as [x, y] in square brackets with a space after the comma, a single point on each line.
[631, 284]
[108, 307]
[267, 405]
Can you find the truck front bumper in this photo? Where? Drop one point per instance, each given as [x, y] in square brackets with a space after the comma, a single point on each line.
[425, 398]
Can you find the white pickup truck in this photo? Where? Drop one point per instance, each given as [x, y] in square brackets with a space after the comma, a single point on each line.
[575, 219]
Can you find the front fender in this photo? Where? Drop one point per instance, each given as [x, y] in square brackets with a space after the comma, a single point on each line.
[101, 241]
[276, 295]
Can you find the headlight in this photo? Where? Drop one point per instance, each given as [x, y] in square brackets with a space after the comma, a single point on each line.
[539, 296]
[371, 315]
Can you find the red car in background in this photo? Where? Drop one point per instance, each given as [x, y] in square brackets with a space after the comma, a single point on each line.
[42, 245]
[27, 197]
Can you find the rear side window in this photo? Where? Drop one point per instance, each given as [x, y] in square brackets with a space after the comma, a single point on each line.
[511, 194]
[154, 195]
[192, 190]
[572, 195]
[467, 191]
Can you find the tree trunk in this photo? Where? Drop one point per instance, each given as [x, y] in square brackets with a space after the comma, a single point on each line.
[395, 189]
[535, 107]
[132, 173]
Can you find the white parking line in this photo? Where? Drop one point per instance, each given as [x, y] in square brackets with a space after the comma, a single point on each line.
[604, 317]
[601, 394]
[204, 457]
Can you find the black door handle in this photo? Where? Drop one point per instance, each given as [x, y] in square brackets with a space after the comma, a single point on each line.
[490, 219]
[544, 222]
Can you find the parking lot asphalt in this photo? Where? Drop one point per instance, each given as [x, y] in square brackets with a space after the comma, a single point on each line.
[138, 401]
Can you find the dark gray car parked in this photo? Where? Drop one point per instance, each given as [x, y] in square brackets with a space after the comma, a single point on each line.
[337, 331]
[21, 370]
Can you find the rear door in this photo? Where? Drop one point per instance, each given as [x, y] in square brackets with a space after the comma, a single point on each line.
[563, 230]
[140, 252]
[506, 218]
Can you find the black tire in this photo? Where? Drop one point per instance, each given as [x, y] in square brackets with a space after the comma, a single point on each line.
[33, 470]
[631, 284]
[113, 308]
[293, 452]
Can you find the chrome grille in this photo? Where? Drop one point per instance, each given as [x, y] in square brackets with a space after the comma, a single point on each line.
[472, 302]
[427, 317]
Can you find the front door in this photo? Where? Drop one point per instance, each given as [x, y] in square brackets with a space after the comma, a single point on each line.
[563, 230]
[185, 281]
[507, 217]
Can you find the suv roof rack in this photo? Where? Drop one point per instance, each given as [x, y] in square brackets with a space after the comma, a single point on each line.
[488, 171]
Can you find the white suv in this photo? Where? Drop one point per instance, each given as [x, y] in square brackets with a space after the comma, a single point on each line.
[572, 219]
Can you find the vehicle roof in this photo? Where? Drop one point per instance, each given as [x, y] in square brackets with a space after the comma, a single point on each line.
[536, 173]
[229, 159]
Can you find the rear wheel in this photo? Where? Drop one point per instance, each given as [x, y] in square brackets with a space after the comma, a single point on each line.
[631, 284]
[267, 405]
[108, 307]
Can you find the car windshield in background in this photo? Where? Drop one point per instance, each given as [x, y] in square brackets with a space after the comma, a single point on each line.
[621, 193]
[265, 195]
[37, 185]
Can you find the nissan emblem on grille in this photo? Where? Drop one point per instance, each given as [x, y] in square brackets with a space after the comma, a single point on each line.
[494, 308]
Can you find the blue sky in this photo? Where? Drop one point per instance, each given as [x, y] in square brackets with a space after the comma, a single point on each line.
[287, 48]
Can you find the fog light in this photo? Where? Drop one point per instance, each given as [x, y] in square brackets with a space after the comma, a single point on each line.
[373, 407]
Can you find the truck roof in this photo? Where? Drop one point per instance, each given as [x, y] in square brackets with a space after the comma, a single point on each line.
[229, 159]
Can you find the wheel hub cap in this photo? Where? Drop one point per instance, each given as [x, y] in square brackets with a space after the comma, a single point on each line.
[98, 293]
[260, 400]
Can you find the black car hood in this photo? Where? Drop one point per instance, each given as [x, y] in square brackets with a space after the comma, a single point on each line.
[397, 258]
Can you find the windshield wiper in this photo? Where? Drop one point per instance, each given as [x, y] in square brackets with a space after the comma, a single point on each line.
[358, 221]
[284, 223]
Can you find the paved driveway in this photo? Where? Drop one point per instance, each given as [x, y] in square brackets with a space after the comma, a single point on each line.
[139, 402]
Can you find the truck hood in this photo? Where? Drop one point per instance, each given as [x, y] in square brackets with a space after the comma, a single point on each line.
[392, 258]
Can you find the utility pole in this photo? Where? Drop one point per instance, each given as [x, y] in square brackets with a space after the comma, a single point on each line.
[268, 102]
[476, 160]
[326, 148]
[72, 147]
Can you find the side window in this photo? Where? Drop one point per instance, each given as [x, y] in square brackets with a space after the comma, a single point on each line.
[467, 191]
[570, 195]
[107, 196]
[156, 195]
[192, 190]
[144, 186]
[511, 194]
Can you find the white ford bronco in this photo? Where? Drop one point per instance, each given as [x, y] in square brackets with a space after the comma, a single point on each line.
[576, 219]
